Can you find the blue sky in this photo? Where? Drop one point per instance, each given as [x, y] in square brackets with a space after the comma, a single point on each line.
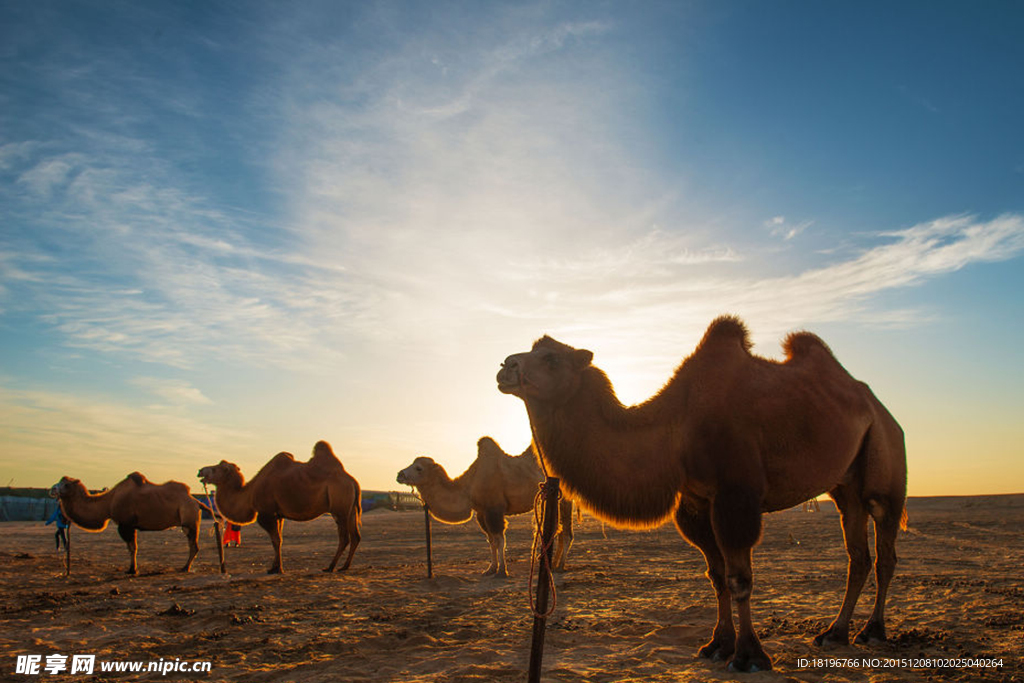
[231, 229]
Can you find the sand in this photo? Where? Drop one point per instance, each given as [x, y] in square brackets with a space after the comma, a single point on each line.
[634, 606]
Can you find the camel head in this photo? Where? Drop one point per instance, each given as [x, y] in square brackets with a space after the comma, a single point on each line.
[549, 372]
[66, 487]
[419, 471]
[219, 474]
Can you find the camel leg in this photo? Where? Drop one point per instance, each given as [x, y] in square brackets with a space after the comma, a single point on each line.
[272, 525]
[497, 524]
[855, 521]
[565, 534]
[352, 522]
[493, 566]
[695, 527]
[493, 523]
[192, 534]
[130, 536]
[736, 520]
[886, 529]
[343, 538]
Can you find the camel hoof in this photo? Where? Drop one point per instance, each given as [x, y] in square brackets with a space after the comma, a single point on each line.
[716, 652]
[830, 639]
[751, 665]
[274, 570]
[873, 632]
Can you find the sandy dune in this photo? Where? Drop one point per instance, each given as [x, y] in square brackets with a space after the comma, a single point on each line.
[633, 607]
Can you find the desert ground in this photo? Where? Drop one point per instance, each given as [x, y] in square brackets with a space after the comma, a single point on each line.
[634, 606]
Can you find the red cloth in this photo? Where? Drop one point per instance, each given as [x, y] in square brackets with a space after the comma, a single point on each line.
[232, 533]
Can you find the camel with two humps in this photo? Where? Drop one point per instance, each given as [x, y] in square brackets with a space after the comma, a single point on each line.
[286, 489]
[134, 504]
[495, 486]
[729, 437]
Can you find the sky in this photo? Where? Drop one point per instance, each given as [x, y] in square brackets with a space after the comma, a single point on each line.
[229, 229]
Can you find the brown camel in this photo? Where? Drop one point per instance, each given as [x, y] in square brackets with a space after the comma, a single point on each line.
[494, 486]
[285, 489]
[730, 436]
[134, 504]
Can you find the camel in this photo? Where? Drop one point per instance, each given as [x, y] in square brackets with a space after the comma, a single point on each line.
[285, 489]
[134, 504]
[729, 437]
[811, 505]
[494, 486]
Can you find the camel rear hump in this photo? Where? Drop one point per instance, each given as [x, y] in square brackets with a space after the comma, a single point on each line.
[324, 460]
[799, 345]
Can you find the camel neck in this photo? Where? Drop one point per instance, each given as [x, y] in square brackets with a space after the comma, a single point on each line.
[615, 458]
[234, 500]
[87, 510]
[447, 499]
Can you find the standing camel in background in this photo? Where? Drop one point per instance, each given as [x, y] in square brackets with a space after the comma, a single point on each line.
[729, 437]
[134, 504]
[495, 486]
[285, 489]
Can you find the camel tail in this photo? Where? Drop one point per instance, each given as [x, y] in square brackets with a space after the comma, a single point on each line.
[904, 518]
[357, 505]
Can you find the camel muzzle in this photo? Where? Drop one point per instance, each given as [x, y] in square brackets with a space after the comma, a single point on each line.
[509, 377]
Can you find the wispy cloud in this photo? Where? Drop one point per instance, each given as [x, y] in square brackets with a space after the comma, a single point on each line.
[672, 307]
[780, 227]
[173, 391]
[51, 434]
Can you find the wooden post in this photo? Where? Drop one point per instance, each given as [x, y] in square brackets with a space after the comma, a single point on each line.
[67, 549]
[430, 554]
[540, 616]
[220, 542]
[215, 513]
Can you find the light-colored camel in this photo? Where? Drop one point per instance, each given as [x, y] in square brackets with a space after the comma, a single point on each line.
[285, 489]
[730, 436]
[494, 486]
[134, 504]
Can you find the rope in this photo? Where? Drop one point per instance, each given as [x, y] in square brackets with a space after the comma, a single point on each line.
[217, 516]
[540, 549]
[536, 443]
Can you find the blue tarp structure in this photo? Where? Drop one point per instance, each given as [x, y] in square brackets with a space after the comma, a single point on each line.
[26, 508]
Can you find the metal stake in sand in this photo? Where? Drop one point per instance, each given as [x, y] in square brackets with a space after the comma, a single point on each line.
[430, 554]
[549, 493]
[216, 529]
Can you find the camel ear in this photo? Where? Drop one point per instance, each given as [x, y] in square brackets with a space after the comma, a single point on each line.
[581, 358]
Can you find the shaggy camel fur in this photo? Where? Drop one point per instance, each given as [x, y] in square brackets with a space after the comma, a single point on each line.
[285, 489]
[134, 504]
[495, 486]
[730, 436]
